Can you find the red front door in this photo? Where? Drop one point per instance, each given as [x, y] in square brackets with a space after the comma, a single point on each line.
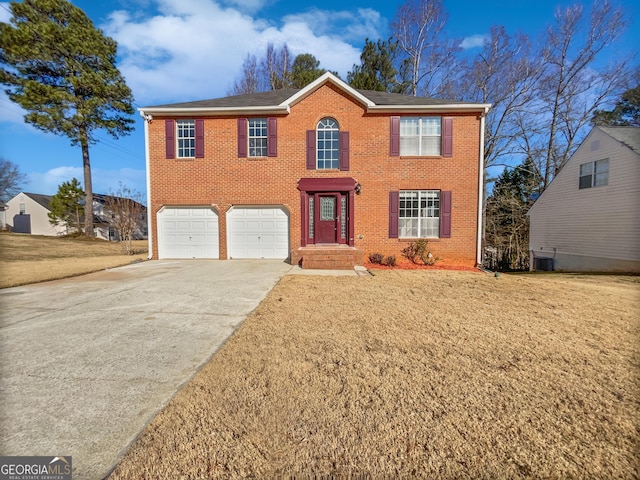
[327, 223]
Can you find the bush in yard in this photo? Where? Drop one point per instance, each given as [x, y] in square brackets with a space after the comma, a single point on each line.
[390, 261]
[418, 251]
[376, 258]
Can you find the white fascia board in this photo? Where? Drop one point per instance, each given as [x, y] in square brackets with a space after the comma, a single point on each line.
[454, 107]
[328, 77]
[189, 112]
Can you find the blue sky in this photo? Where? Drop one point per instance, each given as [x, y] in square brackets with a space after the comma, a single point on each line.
[183, 50]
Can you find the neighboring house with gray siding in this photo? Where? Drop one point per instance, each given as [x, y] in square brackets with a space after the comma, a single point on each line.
[588, 218]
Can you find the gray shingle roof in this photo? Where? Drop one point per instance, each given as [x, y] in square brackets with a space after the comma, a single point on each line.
[276, 97]
[263, 99]
[43, 200]
[384, 98]
[629, 136]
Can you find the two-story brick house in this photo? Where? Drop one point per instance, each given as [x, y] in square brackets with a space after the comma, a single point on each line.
[322, 176]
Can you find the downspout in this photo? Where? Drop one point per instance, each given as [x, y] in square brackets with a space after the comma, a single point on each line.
[147, 120]
[480, 188]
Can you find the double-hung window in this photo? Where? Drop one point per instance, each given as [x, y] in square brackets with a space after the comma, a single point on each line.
[258, 137]
[594, 174]
[186, 138]
[419, 215]
[420, 136]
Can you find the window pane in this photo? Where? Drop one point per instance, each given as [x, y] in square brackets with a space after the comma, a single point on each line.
[602, 173]
[257, 137]
[186, 138]
[420, 136]
[586, 169]
[327, 151]
[419, 214]
[410, 145]
[409, 126]
[431, 145]
[585, 182]
[327, 208]
[431, 126]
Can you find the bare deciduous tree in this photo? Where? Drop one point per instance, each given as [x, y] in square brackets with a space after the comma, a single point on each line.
[11, 179]
[573, 86]
[431, 59]
[248, 82]
[276, 67]
[504, 75]
[127, 215]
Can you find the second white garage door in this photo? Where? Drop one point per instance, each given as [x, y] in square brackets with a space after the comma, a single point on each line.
[258, 232]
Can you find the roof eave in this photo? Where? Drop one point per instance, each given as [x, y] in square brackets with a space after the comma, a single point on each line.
[454, 107]
[199, 111]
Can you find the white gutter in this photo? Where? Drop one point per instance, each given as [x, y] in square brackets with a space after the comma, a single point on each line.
[147, 119]
[189, 112]
[481, 186]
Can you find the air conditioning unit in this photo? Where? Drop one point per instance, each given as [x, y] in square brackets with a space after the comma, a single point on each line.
[543, 264]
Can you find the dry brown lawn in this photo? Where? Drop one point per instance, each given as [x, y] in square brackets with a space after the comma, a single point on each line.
[28, 259]
[430, 374]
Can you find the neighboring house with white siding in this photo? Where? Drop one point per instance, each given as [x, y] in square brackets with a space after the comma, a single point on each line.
[29, 213]
[588, 218]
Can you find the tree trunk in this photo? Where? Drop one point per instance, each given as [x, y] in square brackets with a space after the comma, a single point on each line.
[88, 188]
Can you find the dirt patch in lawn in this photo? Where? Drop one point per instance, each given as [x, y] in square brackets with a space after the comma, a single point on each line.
[31, 258]
[414, 374]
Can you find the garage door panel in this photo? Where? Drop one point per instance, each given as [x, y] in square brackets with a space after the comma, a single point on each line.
[188, 233]
[258, 232]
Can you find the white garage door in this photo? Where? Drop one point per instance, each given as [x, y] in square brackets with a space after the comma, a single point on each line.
[188, 233]
[258, 232]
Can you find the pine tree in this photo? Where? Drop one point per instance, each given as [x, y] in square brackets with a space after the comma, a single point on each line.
[376, 70]
[61, 69]
[66, 207]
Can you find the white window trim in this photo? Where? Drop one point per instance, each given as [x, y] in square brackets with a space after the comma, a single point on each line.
[264, 151]
[420, 137]
[420, 218]
[179, 150]
[335, 131]
[594, 175]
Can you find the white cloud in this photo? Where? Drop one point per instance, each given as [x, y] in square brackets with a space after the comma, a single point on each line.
[194, 49]
[103, 180]
[474, 41]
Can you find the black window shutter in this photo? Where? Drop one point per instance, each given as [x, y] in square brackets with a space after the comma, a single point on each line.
[394, 149]
[447, 136]
[199, 137]
[170, 138]
[272, 137]
[344, 151]
[445, 214]
[242, 138]
[311, 149]
[394, 212]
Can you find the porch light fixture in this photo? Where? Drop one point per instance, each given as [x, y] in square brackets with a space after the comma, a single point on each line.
[358, 189]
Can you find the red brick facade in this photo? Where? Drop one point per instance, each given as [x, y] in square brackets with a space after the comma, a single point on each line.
[220, 179]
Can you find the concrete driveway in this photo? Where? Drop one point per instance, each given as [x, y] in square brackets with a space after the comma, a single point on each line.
[86, 363]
